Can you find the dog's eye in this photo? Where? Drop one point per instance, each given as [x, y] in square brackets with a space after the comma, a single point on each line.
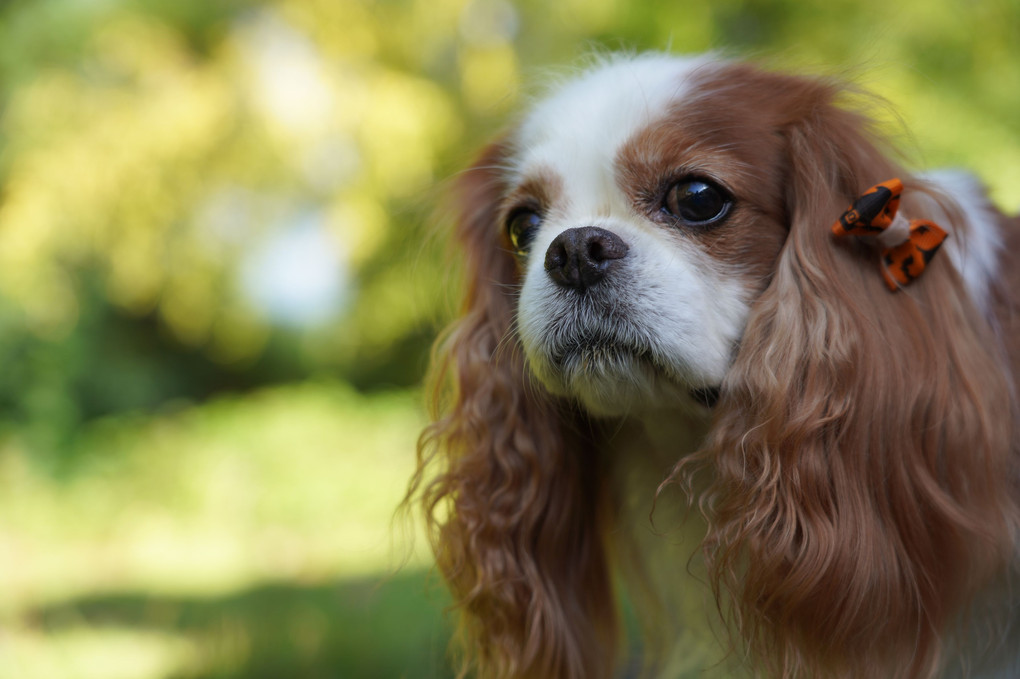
[521, 226]
[697, 201]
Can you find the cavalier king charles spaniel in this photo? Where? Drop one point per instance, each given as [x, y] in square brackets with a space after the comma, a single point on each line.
[675, 397]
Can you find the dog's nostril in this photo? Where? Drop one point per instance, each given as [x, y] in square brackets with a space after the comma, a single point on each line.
[556, 255]
[580, 258]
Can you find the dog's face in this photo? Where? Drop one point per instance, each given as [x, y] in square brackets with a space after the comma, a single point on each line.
[646, 208]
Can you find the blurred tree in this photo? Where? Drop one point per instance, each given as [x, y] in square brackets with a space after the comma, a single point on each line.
[216, 176]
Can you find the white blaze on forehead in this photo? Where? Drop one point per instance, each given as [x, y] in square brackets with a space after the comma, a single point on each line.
[580, 128]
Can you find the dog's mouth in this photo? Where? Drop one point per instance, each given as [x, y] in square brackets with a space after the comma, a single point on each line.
[596, 354]
[600, 357]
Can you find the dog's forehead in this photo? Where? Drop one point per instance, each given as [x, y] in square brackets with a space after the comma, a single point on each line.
[581, 126]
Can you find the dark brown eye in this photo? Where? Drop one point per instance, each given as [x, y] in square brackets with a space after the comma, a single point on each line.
[697, 201]
[521, 226]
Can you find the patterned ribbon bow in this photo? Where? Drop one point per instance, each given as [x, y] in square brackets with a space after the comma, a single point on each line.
[873, 214]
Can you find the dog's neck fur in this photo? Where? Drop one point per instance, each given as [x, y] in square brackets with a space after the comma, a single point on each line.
[655, 539]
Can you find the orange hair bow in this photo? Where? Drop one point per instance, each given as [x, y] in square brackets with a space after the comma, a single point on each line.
[873, 213]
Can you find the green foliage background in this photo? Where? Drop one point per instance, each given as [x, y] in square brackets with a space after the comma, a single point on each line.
[195, 479]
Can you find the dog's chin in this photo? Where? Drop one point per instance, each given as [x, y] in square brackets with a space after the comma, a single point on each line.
[611, 380]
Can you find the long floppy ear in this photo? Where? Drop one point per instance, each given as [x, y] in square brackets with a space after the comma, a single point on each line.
[864, 487]
[513, 508]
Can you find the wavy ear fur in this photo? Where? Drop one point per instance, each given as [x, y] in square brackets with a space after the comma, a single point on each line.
[864, 486]
[513, 507]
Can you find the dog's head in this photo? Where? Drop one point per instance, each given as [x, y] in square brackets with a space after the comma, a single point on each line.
[646, 206]
[654, 236]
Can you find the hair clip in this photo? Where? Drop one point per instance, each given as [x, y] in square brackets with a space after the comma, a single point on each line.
[908, 246]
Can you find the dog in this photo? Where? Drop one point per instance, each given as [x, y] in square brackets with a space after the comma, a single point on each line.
[669, 371]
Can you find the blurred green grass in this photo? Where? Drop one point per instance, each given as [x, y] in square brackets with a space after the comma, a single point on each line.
[248, 536]
[361, 627]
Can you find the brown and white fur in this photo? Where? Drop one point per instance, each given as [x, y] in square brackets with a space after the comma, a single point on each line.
[853, 487]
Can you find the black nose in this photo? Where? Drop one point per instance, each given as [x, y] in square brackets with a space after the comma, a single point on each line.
[580, 258]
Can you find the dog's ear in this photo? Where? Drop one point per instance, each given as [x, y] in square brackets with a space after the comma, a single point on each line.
[864, 487]
[513, 508]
